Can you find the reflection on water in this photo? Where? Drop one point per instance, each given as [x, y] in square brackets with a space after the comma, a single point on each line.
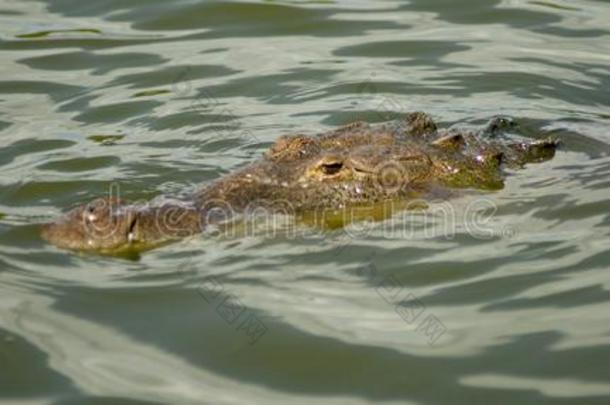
[165, 95]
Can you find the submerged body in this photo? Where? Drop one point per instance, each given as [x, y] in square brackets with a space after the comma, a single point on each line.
[358, 164]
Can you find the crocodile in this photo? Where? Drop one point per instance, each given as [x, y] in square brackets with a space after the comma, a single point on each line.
[356, 165]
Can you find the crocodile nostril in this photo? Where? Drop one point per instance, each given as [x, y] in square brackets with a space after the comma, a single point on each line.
[131, 236]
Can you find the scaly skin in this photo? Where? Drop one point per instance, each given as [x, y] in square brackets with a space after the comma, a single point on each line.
[358, 164]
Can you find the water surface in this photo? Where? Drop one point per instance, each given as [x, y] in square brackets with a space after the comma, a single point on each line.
[163, 96]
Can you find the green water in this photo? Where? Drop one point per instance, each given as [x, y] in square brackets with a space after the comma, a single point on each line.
[160, 97]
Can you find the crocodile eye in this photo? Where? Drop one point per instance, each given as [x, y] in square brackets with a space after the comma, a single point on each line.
[331, 168]
[326, 168]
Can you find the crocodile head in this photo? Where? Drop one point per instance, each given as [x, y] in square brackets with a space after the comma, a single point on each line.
[355, 165]
[362, 164]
